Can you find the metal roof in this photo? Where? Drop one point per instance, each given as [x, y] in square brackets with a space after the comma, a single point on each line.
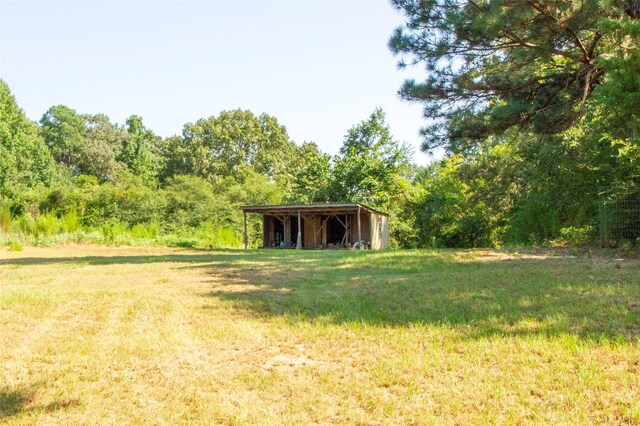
[326, 208]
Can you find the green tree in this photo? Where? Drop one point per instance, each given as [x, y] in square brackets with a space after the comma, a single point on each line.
[458, 206]
[230, 144]
[103, 142]
[371, 165]
[64, 131]
[191, 201]
[495, 64]
[372, 168]
[86, 144]
[139, 151]
[24, 157]
[311, 177]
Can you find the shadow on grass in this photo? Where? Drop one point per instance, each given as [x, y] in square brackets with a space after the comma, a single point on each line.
[224, 256]
[476, 293]
[589, 298]
[19, 402]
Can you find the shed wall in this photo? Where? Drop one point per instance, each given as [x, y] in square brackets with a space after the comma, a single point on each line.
[377, 234]
[308, 232]
[379, 229]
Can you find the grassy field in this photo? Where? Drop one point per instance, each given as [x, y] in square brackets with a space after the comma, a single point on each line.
[92, 335]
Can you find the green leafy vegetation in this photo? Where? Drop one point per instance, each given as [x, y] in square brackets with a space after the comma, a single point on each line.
[534, 103]
[113, 184]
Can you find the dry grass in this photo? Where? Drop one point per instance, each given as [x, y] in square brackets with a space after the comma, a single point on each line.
[92, 335]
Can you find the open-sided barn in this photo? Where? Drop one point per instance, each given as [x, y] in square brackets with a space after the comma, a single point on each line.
[317, 226]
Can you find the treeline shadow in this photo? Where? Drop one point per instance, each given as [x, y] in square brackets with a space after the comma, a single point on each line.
[590, 298]
[18, 402]
[218, 256]
[479, 296]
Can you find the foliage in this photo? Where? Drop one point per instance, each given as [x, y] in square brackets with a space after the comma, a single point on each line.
[101, 147]
[449, 212]
[5, 218]
[64, 131]
[228, 145]
[369, 163]
[15, 246]
[536, 105]
[577, 236]
[311, 177]
[124, 185]
[140, 149]
[24, 157]
[496, 64]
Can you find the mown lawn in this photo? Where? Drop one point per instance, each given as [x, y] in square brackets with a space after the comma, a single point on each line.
[92, 335]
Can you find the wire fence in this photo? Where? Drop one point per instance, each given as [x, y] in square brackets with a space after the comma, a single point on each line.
[619, 218]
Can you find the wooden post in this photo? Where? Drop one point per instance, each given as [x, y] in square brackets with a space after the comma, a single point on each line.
[315, 233]
[359, 230]
[299, 243]
[287, 231]
[246, 240]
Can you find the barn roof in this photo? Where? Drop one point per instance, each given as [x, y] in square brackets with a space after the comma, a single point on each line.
[325, 208]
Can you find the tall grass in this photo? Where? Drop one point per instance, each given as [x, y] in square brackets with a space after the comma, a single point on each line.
[27, 224]
[227, 237]
[70, 221]
[145, 230]
[48, 229]
[47, 225]
[215, 236]
[5, 219]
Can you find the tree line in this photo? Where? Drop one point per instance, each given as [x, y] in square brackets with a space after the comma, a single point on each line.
[80, 175]
[534, 103]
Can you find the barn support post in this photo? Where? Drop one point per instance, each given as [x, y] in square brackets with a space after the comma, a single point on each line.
[246, 240]
[299, 243]
[315, 233]
[359, 228]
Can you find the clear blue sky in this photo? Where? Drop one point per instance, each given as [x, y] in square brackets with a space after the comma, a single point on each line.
[319, 67]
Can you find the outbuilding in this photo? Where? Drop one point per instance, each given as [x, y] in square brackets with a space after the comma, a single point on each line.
[321, 226]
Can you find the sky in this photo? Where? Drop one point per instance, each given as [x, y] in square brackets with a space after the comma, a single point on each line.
[319, 67]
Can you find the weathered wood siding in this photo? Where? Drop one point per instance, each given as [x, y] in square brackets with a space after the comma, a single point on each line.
[365, 225]
[267, 231]
[371, 230]
[379, 231]
[308, 232]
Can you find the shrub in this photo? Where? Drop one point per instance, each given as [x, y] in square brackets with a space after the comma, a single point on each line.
[15, 246]
[186, 242]
[111, 230]
[577, 236]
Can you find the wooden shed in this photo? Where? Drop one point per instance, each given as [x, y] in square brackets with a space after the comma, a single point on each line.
[321, 226]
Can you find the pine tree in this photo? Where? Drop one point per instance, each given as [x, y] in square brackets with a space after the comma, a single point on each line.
[495, 64]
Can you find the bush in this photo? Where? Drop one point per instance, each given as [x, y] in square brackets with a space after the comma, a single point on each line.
[15, 246]
[111, 231]
[185, 242]
[577, 236]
